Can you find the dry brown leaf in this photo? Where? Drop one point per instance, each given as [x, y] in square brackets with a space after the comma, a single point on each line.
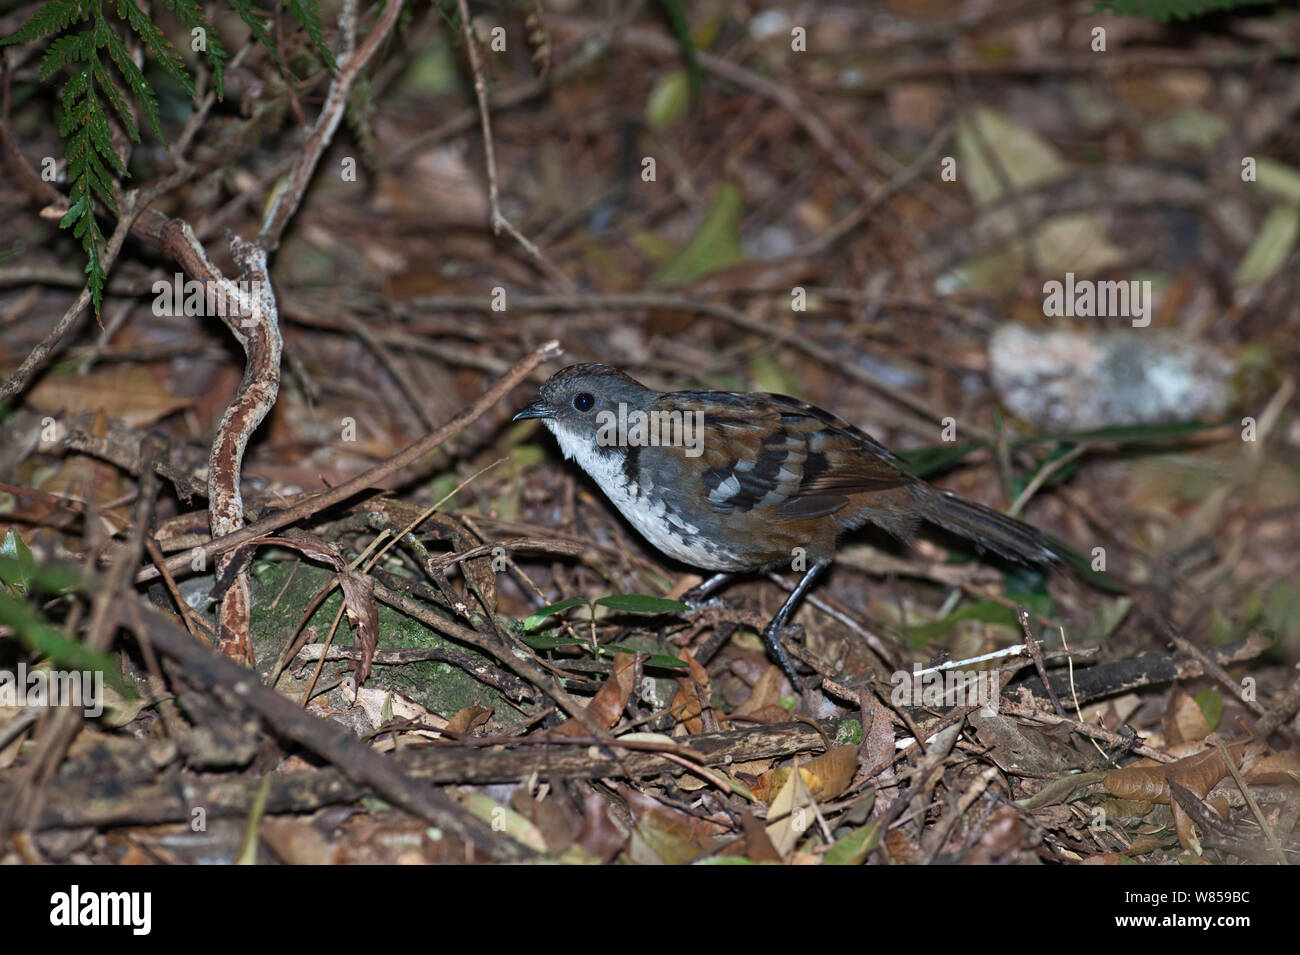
[1184, 720]
[556, 821]
[1272, 768]
[877, 733]
[1149, 781]
[599, 835]
[129, 393]
[363, 615]
[692, 697]
[763, 705]
[666, 834]
[825, 776]
[465, 721]
[1198, 773]
[790, 812]
[607, 705]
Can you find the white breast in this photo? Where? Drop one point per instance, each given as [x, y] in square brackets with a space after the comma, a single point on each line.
[647, 512]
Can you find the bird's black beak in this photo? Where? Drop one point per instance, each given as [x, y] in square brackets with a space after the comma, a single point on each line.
[538, 409]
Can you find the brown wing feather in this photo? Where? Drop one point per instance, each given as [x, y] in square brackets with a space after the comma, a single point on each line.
[771, 451]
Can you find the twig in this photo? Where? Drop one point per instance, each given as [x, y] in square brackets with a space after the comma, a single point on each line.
[1214, 670]
[1043, 474]
[1087, 729]
[187, 614]
[1274, 845]
[499, 221]
[494, 677]
[323, 737]
[63, 725]
[524, 666]
[18, 380]
[367, 479]
[1036, 654]
[800, 341]
[287, 201]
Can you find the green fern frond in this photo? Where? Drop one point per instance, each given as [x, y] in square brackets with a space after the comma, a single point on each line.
[54, 17]
[83, 124]
[257, 25]
[307, 14]
[163, 52]
[89, 146]
[190, 16]
[136, 83]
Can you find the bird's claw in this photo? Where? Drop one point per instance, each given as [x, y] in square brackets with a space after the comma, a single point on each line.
[697, 604]
[772, 639]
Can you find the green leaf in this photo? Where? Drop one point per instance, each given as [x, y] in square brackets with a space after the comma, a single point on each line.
[51, 579]
[257, 24]
[642, 604]
[669, 100]
[854, 848]
[928, 460]
[985, 611]
[546, 641]
[1271, 248]
[115, 97]
[1123, 434]
[1278, 178]
[191, 17]
[164, 53]
[1211, 703]
[715, 245]
[660, 660]
[74, 212]
[18, 567]
[849, 733]
[50, 18]
[533, 619]
[136, 82]
[64, 652]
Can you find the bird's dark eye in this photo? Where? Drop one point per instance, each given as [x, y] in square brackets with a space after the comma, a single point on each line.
[583, 401]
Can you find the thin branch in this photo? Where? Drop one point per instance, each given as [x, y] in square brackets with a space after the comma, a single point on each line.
[371, 477]
[286, 203]
[499, 221]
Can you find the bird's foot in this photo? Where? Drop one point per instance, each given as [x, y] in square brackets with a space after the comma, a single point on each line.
[697, 598]
[772, 639]
[701, 603]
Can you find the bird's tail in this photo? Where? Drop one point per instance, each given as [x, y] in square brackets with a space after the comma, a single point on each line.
[987, 528]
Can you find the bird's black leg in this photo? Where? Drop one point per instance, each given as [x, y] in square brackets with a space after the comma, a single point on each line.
[695, 596]
[772, 632]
